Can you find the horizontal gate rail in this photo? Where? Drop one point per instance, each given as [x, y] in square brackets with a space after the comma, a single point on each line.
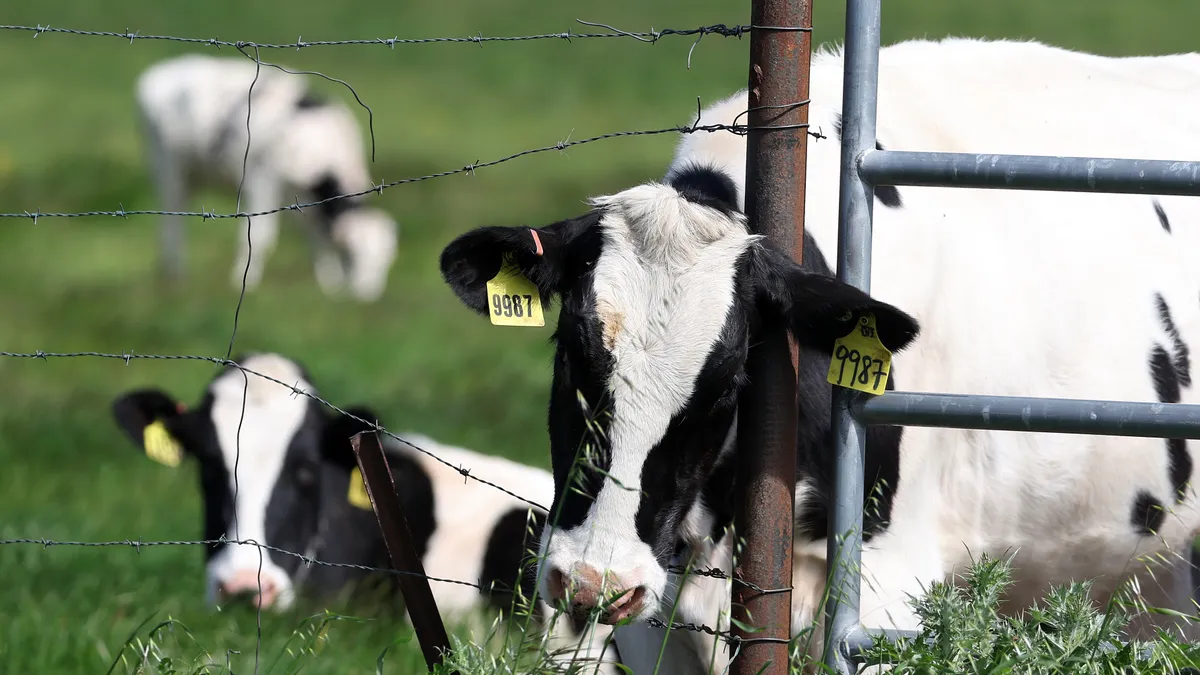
[862, 168]
[1020, 413]
[1030, 172]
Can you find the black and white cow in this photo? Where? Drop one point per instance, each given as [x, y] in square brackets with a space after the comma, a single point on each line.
[278, 473]
[662, 288]
[194, 118]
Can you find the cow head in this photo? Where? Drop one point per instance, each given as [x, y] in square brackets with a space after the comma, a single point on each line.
[271, 465]
[662, 289]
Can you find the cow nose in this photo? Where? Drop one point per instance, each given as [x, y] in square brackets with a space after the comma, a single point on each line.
[246, 583]
[587, 590]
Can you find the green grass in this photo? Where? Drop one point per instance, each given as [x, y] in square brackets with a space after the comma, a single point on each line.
[67, 142]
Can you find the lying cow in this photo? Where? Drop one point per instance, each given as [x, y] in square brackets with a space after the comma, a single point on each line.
[662, 288]
[293, 463]
[194, 118]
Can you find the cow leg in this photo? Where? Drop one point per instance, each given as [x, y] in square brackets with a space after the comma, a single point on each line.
[327, 265]
[169, 174]
[257, 235]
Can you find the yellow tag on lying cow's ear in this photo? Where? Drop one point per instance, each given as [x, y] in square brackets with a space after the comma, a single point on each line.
[860, 361]
[357, 495]
[160, 445]
[513, 300]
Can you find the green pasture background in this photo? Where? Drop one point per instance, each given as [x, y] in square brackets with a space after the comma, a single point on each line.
[68, 143]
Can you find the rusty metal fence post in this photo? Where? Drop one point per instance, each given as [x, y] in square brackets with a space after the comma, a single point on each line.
[418, 597]
[776, 153]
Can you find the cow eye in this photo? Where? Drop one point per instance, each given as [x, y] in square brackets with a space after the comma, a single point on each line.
[305, 476]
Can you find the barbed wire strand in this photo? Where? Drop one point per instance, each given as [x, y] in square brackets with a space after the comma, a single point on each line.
[651, 36]
[468, 169]
[375, 426]
[308, 560]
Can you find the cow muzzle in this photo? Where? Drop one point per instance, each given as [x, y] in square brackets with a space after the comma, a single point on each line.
[583, 591]
[261, 592]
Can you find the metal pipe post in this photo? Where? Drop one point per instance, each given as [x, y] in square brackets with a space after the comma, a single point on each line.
[776, 156]
[1018, 413]
[1031, 172]
[855, 202]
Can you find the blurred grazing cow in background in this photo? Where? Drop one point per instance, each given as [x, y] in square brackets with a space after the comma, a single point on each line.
[663, 289]
[294, 461]
[194, 118]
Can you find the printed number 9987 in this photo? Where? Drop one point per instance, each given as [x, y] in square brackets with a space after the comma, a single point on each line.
[510, 305]
[861, 365]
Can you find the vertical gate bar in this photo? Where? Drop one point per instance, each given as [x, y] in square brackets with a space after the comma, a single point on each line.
[776, 154]
[855, 203]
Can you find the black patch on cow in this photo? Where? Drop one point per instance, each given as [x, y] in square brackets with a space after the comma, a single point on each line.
[293, 508]
[888, 195]
[1181, 358]
[706, 186]
[216, 493]
[718, 493]
[310, 100]
[510, 557]
[708, 415]
[1166, 380]
[415, 489]
[326, 188]
[1166, 385]
[1180, 461]
[815, 442]
[815, 458]
[1148, 514]
[348, 535]
[1162, 216]
[814, 449]
[582, 366]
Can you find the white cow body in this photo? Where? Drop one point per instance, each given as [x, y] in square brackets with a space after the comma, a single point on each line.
[200, 113]
[1018, 293]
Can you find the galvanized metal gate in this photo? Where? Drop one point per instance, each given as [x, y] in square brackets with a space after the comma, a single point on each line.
[863, 168]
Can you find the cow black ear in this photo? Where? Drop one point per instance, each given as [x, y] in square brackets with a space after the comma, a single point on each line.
[820, 309]
[543, 254]
[341, 428]
[140, 410]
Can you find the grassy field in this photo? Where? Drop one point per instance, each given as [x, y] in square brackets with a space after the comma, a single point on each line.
[67, 143]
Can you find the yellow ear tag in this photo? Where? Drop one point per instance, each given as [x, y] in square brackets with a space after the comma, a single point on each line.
[513, 299]
[357, 496]
[860, 361]
[160, 445]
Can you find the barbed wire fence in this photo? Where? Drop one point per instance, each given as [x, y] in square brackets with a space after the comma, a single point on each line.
[253, 51]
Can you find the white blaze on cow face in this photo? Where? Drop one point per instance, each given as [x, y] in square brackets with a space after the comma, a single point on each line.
[254, 443]
[663, 286]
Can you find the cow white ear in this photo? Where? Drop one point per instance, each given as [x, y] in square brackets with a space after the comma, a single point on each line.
[820, 309]
[544, 255]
